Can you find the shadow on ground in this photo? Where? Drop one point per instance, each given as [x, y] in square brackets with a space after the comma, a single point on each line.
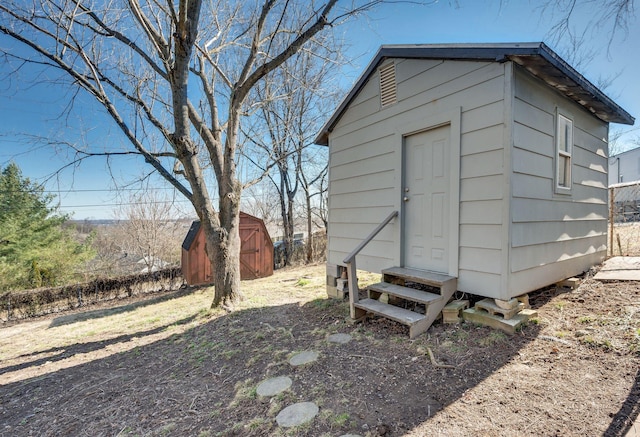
[120, 309]
[54, 354]
[203, 381]
[625, 418]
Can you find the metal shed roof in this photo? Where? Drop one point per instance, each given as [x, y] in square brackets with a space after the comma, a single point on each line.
[536, 57]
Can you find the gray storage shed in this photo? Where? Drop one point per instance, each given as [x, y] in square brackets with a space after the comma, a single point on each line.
[493, 155]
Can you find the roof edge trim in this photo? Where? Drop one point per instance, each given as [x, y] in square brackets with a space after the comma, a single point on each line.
[492, 52]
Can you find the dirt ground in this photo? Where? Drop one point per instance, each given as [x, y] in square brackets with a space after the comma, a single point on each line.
[168, 366]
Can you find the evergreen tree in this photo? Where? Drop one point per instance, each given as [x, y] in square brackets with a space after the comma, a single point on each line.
[35, 250]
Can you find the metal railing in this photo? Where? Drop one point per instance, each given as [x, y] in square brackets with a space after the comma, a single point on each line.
[350, 262]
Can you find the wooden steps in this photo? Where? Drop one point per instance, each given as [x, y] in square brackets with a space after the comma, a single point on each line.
[406, 285]
[392, 312]
[406, 293]
[433, 279]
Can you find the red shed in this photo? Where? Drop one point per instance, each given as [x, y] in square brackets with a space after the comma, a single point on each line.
[256, 252]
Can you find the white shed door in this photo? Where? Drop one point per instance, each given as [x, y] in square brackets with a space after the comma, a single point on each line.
[426, 195]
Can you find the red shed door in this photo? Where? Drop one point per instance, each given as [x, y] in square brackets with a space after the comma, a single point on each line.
[250, 238]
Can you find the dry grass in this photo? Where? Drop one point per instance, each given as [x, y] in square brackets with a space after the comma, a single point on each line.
[626, 239]
[143, 322]
[172, 366]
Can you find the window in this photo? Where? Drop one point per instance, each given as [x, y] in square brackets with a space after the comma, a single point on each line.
[564, 145]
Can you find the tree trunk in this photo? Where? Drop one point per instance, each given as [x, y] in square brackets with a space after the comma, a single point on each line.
[223, 249]
[309, 228]
[226, 266]
[289, 230]
[137, 60]
[286, 212]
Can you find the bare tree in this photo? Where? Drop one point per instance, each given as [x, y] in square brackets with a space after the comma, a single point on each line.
[314, 186]
[180, 70]
[294, 101]
[144, 235]
[261, 200]
[607, 17]
[150, 230]
[606, 20]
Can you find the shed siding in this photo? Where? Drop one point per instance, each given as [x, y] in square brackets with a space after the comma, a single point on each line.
[625, 167]
[366, 160]
[256, 252]
[554, 236]
[513, 228]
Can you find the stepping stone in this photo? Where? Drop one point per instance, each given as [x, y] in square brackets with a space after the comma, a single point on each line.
[339, 338]
[273, 386]
[350, 435]
[297, 414]
[304, 357]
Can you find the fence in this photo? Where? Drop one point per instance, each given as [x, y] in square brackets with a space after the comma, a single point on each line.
[624, 219]
[300, 254]
[30, 303]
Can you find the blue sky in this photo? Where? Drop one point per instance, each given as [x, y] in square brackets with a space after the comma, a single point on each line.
[31, 106]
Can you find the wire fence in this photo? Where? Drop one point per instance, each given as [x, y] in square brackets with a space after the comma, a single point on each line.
[624, 219]
[15, 305]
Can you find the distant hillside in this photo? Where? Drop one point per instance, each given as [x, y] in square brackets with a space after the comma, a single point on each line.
[109, 222]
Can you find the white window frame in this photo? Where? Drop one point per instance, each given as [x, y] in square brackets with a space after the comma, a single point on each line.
[564, 153]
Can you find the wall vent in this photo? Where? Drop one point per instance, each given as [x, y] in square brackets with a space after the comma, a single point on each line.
[388, 85]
